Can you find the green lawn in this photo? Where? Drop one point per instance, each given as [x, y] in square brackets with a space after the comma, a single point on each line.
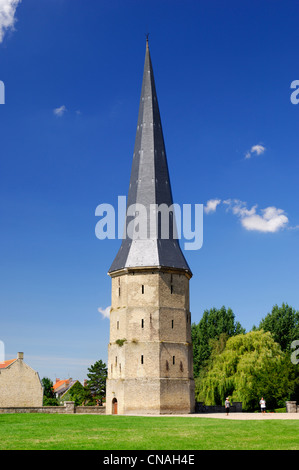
[49, 432]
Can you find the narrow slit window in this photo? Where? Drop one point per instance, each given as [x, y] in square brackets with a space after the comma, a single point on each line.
[119, 292]
[142, 359]
[172, 323]
[116, 360]
[142, 323]
[173, 360]
[117, 325]
[142, 289]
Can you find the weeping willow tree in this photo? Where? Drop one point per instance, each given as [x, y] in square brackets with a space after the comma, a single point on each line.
[213, 324]
[251, 365]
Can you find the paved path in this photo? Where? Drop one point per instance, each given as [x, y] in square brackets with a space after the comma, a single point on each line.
[241, 415]
[248, 416]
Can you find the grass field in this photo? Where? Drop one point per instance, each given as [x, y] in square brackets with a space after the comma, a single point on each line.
[83, 432]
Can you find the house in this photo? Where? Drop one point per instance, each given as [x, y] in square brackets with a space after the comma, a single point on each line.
[62, 386]
[20, 385]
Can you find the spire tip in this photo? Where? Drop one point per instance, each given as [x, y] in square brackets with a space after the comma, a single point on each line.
[147, 35]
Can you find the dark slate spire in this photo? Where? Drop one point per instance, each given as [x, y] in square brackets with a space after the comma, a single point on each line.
[149, 185]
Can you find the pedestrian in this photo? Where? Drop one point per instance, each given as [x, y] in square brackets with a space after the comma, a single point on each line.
[263, 405]
[227, 405]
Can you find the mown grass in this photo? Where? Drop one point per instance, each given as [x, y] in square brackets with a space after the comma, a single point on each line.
[90, 432]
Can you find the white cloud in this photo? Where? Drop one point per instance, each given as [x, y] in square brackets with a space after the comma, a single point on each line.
[255, 149]
[239, 207]
[270, 219]
[59, 111]
[7, 16]
[105, 312]
[211, 205]
[258, 149]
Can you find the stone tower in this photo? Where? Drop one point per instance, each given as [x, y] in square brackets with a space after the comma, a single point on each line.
[150, 362]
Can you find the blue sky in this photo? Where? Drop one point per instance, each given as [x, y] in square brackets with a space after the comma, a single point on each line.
[72, 71]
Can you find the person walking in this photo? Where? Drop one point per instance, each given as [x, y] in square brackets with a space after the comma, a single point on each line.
[227, 405]
[263, 405]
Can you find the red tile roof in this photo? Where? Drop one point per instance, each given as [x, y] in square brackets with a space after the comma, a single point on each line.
[60, 383]
[5, 364]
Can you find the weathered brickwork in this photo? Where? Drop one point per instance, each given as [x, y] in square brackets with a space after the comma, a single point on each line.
[150, 364]
[20, 386]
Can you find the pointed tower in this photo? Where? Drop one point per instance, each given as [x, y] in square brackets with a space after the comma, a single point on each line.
[150, 363]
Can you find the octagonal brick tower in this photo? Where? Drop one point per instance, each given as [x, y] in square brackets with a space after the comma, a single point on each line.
[150, 362]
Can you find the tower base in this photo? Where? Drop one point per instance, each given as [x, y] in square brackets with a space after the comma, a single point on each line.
[146, 396]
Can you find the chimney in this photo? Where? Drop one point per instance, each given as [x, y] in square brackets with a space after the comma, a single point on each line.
[20, 356]
[57, 380]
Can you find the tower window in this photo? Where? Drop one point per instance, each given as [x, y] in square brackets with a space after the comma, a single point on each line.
[116, 360]
[181, 366]
[142, 289]
[167, 365]
[142, 359]
[171, 323]
[117, 325]
[119, 292]
[142, 323]
[173, 360]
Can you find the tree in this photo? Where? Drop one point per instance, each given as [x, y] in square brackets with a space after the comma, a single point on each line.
[49, 398]
[283, 323]
[79, 394]
[251, 365]
[97, 380]
[213, 324]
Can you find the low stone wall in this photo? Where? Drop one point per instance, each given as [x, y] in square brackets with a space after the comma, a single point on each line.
[44, 409]
[99, 410]
[292, 407]
[68, 408]
[236, 407]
